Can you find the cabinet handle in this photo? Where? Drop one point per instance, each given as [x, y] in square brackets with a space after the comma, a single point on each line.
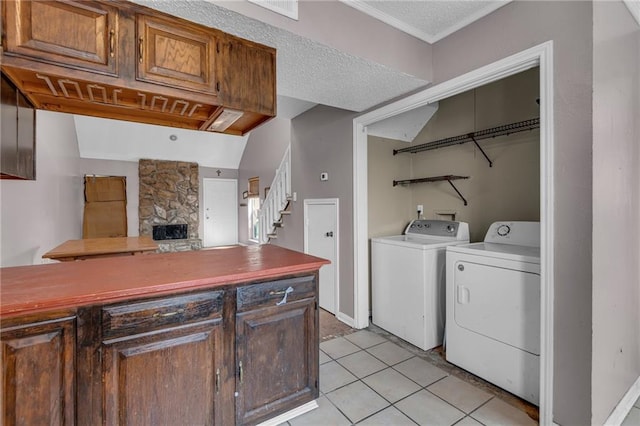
[240, 374]
[112, 42]
[168, 314]
[140, 49]
[217, 380]
[284, 298]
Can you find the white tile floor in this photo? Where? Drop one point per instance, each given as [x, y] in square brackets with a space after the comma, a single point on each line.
[366, 379]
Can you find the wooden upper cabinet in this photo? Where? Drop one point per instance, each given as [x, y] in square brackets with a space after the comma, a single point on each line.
[248, 76]
[79, 34]
[175, 54]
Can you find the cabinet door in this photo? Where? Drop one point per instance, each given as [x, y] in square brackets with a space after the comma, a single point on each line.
[18, 134]
[71, 33]
[277, 360]
[38, 373]
[175, 54]
[248, 76]
[165, 378]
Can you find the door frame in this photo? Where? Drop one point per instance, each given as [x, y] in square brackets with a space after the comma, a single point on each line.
[540, 55]
[336, 271]
[204, 205]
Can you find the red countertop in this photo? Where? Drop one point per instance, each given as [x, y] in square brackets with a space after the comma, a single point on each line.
[40, 288]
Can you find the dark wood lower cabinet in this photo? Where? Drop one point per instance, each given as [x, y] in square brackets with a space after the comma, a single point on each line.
[38, 373]
[277, 359]
[170, 377]
[242, 354]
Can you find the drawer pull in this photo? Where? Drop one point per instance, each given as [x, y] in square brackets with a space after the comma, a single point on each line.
[112, 43]
[168, 314]
[284, 298]
[217, 380]
[240, 374]
[140, 49]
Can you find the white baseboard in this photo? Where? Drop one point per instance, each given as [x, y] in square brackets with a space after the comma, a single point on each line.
[625, 405]
[298, 411]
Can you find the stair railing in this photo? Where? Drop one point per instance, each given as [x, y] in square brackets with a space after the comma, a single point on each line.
[276, 200]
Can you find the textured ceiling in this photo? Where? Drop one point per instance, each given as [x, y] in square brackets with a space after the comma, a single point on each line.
[428, 20]
[306, 70]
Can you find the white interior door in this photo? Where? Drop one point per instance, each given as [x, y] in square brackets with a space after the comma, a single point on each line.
[220, 212]
[321, 239]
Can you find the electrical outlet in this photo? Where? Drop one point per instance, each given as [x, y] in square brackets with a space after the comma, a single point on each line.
[420, 208]
[324, 176]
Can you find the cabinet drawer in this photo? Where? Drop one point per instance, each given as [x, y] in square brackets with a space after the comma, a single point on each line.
[135, 318]
[273, 292]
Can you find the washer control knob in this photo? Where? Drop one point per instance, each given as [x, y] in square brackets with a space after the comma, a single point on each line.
[503, 230]
[461, 267]
[451, 229]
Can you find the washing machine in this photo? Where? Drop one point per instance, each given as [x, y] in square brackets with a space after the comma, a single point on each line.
[493, 307]
[408, 280]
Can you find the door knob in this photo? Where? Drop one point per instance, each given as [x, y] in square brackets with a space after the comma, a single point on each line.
[329, 234]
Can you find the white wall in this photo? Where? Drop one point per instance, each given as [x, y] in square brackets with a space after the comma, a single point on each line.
[36, 216]
[616, 206]
[511, 29]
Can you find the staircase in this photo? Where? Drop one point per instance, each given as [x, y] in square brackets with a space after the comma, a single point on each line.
[276, 204]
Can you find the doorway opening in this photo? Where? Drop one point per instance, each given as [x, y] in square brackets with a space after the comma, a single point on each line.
[539, 56]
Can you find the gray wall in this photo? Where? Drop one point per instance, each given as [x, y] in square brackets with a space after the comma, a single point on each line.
[262, 155]
[510, 29]
[333, 23]
[616, 206]
[36, 216]
[321, 141]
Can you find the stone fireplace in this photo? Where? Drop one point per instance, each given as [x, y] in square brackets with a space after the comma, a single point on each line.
[169, 204]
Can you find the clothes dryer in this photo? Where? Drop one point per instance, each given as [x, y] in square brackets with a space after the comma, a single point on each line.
[408, 280]
[493, 307]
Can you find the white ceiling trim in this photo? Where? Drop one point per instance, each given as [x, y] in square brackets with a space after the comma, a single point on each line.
[390, 20]
[470, 19]
[416, 32]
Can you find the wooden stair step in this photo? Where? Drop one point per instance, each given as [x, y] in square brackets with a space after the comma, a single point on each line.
[278, 224]
[285, 212]
[272, 235]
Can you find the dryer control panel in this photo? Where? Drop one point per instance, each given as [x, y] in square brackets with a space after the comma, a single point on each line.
[438, 228]
[517, 233]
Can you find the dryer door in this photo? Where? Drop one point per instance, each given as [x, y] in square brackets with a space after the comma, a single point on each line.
[499, 303]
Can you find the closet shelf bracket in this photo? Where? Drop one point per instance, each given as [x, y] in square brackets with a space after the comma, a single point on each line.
[448, 178]
[480, 148]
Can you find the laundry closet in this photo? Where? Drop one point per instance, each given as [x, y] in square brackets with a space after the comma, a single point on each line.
[471, 161]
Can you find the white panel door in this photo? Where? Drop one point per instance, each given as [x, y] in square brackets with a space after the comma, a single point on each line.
[321, 239]
[220, 212]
